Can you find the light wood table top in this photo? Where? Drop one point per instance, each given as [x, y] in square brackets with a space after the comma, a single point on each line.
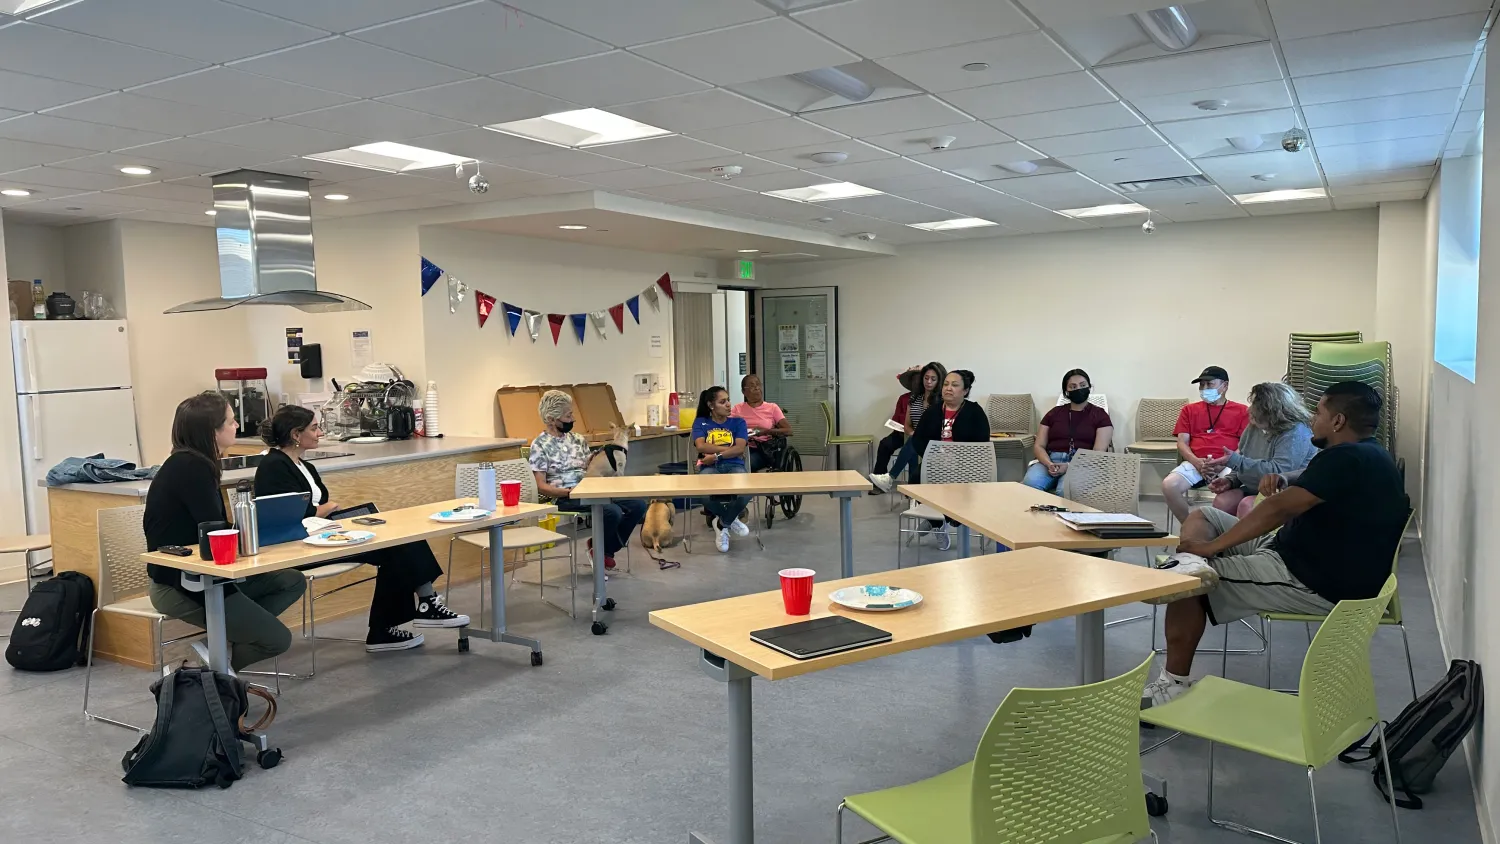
[960, 599]
[410, 524]
[17, 544]
[744, 483]
[1002, 511]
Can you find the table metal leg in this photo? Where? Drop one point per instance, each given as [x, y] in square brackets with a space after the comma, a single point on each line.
[846, 536]
[602, 602]
[964, 535]
[741, 751]
[213, 611]
[1090, 631]
[497, 632]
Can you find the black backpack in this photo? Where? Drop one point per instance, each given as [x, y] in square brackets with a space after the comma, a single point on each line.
[52, 630]
[1426, 733]
[195, 740]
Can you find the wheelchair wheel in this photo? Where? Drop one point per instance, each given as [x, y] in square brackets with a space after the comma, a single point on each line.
[791, 504]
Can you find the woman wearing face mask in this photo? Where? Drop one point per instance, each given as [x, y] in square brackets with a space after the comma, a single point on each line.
[1065, 429]
[926, 392]
[1278, 441]
[721, 441]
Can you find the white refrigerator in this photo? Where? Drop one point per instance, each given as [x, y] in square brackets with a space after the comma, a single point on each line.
[73, 399]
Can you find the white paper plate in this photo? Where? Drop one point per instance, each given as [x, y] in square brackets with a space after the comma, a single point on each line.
[366, 440]
[460, 515]
[356, 537]
[874, 598]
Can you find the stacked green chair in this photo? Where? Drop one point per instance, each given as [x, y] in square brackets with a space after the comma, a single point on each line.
[1369, 363]
[1299, 347]
[1053, 765]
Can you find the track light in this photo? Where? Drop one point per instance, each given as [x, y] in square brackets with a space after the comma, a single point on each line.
[1170, 27]
[836, 82]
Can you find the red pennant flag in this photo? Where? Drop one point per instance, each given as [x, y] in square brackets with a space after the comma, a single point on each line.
[665, 283]
[618, 312]
[486, 304]
[556, 321]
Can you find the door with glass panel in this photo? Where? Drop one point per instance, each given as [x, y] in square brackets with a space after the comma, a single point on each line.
[796, 346]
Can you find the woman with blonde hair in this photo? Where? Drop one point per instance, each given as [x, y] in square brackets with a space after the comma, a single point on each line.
[1277, 441]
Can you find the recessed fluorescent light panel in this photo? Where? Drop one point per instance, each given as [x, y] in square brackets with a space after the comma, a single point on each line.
[950, 225]
[586, 127]
[1106, 210]
[390, 157]
[15, 192]
[823, 193]
[1280, 195]
[21, 7]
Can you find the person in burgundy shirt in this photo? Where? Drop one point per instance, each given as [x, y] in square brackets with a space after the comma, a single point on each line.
[1205, 430]
[1065, 429]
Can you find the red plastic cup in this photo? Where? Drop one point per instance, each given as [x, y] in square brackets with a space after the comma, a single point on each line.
[510, 493]
[796, 590]
[224, 545]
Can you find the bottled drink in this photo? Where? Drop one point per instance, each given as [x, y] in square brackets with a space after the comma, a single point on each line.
[38, 300]
[245, 519]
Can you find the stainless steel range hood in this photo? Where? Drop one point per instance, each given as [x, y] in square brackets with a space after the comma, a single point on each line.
[266, 246]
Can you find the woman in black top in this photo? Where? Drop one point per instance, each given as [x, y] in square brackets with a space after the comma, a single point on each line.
[925, 388]
[402, 571]
[184, 493]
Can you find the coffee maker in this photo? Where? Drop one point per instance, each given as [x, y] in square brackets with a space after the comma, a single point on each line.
[246, 391]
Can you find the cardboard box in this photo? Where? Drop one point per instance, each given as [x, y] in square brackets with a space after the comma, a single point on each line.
[20, 298]
[594, 410]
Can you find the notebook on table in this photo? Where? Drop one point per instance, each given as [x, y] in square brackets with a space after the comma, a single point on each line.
[279, 517]
[1121, 532]
[819, 637]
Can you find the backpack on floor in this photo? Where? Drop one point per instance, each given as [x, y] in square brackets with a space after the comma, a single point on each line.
[195, 740]
[52, 629]
[1425, 734]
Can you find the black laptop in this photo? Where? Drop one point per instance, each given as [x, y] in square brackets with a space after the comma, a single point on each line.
[819, 637]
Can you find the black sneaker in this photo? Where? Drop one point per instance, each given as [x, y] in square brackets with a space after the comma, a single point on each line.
[432, 613]
[393, 639]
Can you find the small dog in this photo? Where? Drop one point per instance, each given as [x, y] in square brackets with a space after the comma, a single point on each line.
[656, 528]
[608, 460]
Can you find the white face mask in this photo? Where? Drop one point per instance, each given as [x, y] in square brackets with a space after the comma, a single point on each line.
[1209, 395]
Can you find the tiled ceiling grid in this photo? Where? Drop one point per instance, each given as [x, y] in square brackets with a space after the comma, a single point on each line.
[194, 87]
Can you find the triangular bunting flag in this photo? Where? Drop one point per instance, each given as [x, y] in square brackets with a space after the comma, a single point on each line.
[580, 322]
[618, 313]
[512, 317]
[556, 321]
[430, 274]
[652, 298]
[533, 323]
[486, 304]
[597, 318]
[634, 304]
[665, 283]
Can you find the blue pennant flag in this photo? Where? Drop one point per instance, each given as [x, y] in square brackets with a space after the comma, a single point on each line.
[634, 303]
[580, 322]
[430, 274]
[512, 316]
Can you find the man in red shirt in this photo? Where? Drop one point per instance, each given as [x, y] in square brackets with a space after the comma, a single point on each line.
[1205, 429]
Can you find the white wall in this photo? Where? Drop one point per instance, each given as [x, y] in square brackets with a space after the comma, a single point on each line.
[92, 260]
[1404, 299]
[12, 497]
[1143, 315]
[34, 252]
[469, 363]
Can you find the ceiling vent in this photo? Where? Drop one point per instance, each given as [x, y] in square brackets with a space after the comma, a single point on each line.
[1173, 183]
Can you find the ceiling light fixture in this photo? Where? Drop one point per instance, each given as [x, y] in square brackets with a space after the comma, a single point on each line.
[1022, 168]
[1246, 143]
[1211, 105]
[1106, 210]
[837, 82]
[389, 157]
[828, 157]
[136, 170]
[823, 193]
[21, 7]
[15, 192]
[573, 228]
[747, 251]
[585, 127]
[975, 67]
[211, 212]
[1280, 195]
[1170, 27]
[951, 225]
[335, 197]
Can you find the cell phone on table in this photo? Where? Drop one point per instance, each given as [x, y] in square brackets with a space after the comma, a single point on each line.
[368, 520]
[176, 550]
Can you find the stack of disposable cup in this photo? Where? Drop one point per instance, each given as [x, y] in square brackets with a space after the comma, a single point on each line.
[430, 411]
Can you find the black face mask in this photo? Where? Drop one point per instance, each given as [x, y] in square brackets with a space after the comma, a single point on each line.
[1320, 443]
[565, 427]
[1078, 396]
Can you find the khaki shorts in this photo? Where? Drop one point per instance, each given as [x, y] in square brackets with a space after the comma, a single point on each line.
[1253, 579]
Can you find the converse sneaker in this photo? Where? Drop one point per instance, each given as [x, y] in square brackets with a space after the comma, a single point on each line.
[1166, 688]
[723, 538]
[392, 639]
[883, 482]
[609, 559]
[944, 539]
[739, 528]
[432, 613]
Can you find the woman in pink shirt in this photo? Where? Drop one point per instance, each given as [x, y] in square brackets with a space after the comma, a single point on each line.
[763, 418]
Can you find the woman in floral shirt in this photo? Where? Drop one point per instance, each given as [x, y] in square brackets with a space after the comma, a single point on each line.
[558, 458]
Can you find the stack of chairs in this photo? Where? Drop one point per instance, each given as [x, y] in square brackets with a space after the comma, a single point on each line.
[1299, 347]
[1369, 363]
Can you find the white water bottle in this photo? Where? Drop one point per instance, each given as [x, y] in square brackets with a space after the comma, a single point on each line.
[487, 487]
[430, 412]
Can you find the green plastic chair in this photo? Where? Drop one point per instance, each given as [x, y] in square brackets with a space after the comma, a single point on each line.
[1335, 705]
[834, 440]
[1054, 765]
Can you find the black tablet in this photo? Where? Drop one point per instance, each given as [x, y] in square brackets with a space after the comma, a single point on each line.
[819, 637]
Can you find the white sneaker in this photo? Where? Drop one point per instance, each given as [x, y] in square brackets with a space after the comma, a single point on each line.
[1190, 565]
[1166, 688]
[945, 539]
[723, 540]
[883, 481]
[739, 528]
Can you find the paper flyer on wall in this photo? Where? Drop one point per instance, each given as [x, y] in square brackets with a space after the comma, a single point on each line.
[817, 338]
[817, 364]
[791, 366]
[787, 338]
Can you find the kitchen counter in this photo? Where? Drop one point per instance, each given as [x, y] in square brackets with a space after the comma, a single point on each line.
[364, 456]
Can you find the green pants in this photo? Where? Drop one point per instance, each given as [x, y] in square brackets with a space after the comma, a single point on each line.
[250, 614]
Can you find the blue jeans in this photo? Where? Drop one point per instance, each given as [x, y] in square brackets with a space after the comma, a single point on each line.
[907, 456]
[725, 508]
[1037, 476]
[620, 519]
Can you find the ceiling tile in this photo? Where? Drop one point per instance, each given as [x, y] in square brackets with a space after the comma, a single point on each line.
[483, 37]
[673, 149]
[1386, 130]
[1382, 81]
[146, 114]
[782, 180]
[1257, 96]
[750, 165]
[1419, 104]
[47, 129]
[1398, 196]
[856, 151]
[1210, 134]
[1068, 121]
[1025, 56]
[1188, 201]
[284, 138]
[915, 180]
[368, 119]
[14, 155]
[884, 168]
[1050, 93]
[567, 162]
[1383, 188]
[694, 191]
[747, 52]
[880, 28]
[483, 144]
[978, 163]
[781, 133]
[1196, 213]
[747, 202]
[1296, 206]
[1193, 71]
[203, 196]
[1291, 170]
[890, 208]
[640, 21]
[1056, 12]
[1380, 155]
[1306, 18]
[1135, 137]
[206, 30]
[1412, 42]
[244, 93]
[1059, 191]
[201, 153]
[973, 200]
[1370, 177]
[480, 101]
[351, 67]
[1468, 121]
[68, 180]
[886, 116]
[918, 141]
[605, 80]
[71, 57]
[1474, 98]
[111, 162]
[33, 93]
[709, 109]
[344, 15]
[637, 178]
[1132, 165]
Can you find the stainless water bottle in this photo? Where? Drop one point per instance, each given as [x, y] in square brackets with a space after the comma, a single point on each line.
[245, 519]
[487, 486]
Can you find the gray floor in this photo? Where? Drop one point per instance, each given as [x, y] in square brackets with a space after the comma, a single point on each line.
[619, 738]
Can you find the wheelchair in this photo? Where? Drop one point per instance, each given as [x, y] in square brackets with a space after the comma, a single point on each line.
[780, 456]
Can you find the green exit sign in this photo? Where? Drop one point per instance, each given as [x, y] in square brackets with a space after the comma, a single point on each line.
[744, 269]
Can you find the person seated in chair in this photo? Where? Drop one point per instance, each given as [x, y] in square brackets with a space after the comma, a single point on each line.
[919, 382]
[926, 393]
[721, 441]
[1278, 441]
[763, 419]
[403, 575]
[1205, 429]
[1340, 522]
[1065, 429]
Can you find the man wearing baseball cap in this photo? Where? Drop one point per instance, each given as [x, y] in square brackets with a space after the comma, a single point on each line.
[1205, 429]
